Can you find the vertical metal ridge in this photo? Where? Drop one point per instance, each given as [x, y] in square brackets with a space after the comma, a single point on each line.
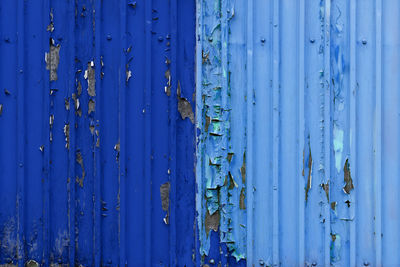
[353, 123]
[250, 134]
[378, 133]
[147, 129]
[327, 122]
[72, 137]
[47, 145]
[21, 131]
[97, 242]
[301, 126]
[275, 130]
[172, 148]
[123, 80]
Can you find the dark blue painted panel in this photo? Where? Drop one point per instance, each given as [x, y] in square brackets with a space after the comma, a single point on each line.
[96, 150]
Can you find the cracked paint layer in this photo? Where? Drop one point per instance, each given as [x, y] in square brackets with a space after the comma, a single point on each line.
[220, 170]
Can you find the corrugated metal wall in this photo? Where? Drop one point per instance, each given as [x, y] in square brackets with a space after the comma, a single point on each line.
[96, 146]
[298, 155]
[297, 116]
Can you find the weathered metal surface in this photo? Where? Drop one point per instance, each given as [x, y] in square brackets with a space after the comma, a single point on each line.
[96, 162]
[298, 132]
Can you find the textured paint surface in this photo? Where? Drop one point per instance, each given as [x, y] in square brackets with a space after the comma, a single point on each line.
[95, 158]
[305, 95]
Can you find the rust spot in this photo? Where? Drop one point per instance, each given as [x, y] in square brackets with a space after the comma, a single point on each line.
[348, 203]
[211, 222]
[347, 178]
[242, 205]
[333, 205]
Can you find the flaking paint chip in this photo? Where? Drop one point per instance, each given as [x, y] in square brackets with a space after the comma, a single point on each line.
[164, 195]
[52, 60]
[90, 77]
[184, 106]
[347, 178]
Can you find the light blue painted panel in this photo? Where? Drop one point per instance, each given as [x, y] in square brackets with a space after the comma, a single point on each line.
[308, 92]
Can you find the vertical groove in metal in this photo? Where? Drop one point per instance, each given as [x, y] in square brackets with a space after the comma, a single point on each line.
[47, 168]
[72, 136]
[172, 138]
[378, 133]
[301, 128]
[96, 143]
[20, 21]
[250, 133]
[148, 133]
[275, 128]
[123, 80]
[353, 126]
[327, 120]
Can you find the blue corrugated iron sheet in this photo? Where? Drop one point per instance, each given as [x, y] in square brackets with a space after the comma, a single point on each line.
[97, 146]
[298, 150]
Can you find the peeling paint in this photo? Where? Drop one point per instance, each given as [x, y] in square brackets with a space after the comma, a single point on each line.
[335, 247]
[243, 169]
[184, 106]
[52, 60]
[91, 80]
[79, 160]
[307, 167]
[167, 75]
[91, 106]
[1, 109]
[325, 187]
[164, 194]
[242, 205]
[32, 263]
[66, 133]
[66, 104]
[211, 221]
[347, 178]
